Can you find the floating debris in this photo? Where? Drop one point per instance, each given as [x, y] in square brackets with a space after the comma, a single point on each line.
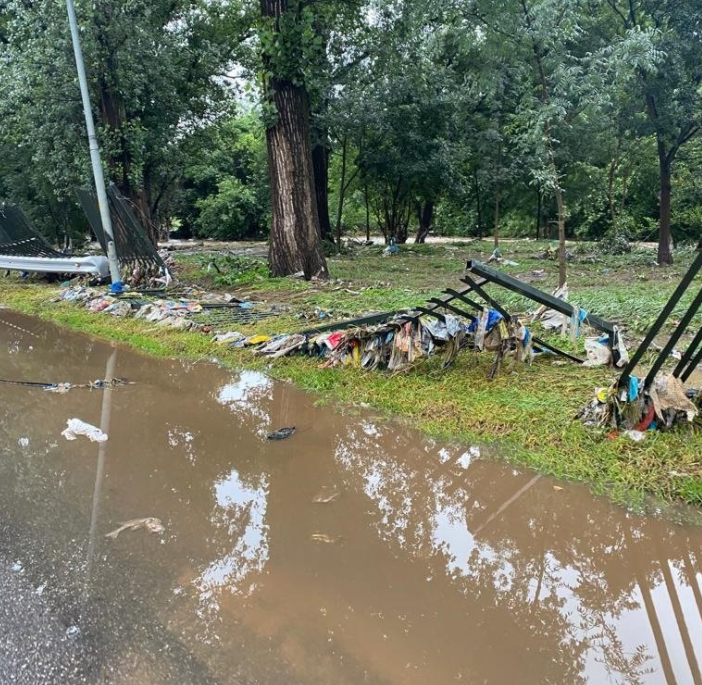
[62, 388]
[281, 434]
[150, 524]
[326, 495]
[76, 427]
[327, 539]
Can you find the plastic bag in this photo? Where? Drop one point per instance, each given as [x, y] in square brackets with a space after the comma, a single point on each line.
[597, 353]
[77, 427]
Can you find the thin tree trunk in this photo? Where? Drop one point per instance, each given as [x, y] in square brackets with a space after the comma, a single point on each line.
[665, 256]
[365, 199]
[425, 214]
[295, 240]
[476, 186]
[320, 164]
[404, 219]
[342, 191]
[498, 190]
[496, 230]
[562, 268]
[610, 183]
[538, 212]
[625, 189]
[320, 132]
[546, 99]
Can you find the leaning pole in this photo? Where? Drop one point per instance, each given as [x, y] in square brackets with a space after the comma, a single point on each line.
[94, 153]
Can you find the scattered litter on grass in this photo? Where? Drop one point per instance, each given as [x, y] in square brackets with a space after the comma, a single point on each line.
[229, 337]
[76, 428]
[191, 309]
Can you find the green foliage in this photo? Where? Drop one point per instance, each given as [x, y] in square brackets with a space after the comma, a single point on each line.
[151, 66]
[225, 188]
[436, 101]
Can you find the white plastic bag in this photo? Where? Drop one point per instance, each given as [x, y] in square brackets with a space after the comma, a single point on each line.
[77, 427]
[597, 353]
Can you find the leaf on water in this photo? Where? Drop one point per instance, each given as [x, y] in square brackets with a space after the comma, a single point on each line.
[326, 495]
[327, 539]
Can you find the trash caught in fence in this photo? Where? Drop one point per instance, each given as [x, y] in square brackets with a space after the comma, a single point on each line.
[634, 405]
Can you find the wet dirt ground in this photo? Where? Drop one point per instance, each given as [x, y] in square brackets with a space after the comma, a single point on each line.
[430, 564]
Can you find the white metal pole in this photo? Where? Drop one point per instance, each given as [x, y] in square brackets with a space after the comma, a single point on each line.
[94, 152]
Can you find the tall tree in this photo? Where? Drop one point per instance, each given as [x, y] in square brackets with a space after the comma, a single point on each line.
[660, 48]
[286, 34]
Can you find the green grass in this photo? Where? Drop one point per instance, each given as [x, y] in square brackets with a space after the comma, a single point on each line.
[526, 413]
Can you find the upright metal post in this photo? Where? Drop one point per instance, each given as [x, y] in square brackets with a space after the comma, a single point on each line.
[94, 152]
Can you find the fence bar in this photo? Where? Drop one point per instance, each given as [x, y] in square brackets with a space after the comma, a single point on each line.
[662, 318]
[677, 334]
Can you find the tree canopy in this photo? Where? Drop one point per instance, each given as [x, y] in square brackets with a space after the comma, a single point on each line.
[550, 118]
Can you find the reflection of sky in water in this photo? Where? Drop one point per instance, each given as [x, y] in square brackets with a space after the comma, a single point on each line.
[391, 486]
[241, 511]
[245, 396]
[423, 505]
[179, 437]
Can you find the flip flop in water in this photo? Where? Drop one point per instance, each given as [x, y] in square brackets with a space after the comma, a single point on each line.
[281, 433]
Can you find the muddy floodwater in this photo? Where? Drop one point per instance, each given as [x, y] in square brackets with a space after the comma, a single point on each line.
[354, 551]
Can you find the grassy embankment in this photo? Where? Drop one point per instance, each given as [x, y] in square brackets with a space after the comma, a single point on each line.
[527, 411]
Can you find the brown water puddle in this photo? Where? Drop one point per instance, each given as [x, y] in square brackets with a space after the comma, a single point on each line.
[446, 566]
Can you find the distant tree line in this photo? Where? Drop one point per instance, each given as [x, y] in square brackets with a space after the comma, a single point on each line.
[304, 120]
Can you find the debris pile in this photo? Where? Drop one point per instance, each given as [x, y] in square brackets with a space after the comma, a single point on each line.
[635, 408]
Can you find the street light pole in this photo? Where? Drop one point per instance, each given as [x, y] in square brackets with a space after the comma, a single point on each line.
[94, 153]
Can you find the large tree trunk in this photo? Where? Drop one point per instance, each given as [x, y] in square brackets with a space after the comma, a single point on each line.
[425, 215]
[665, 256]
[295, 240]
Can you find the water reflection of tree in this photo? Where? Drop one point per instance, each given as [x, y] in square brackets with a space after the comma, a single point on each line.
[565, 574]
